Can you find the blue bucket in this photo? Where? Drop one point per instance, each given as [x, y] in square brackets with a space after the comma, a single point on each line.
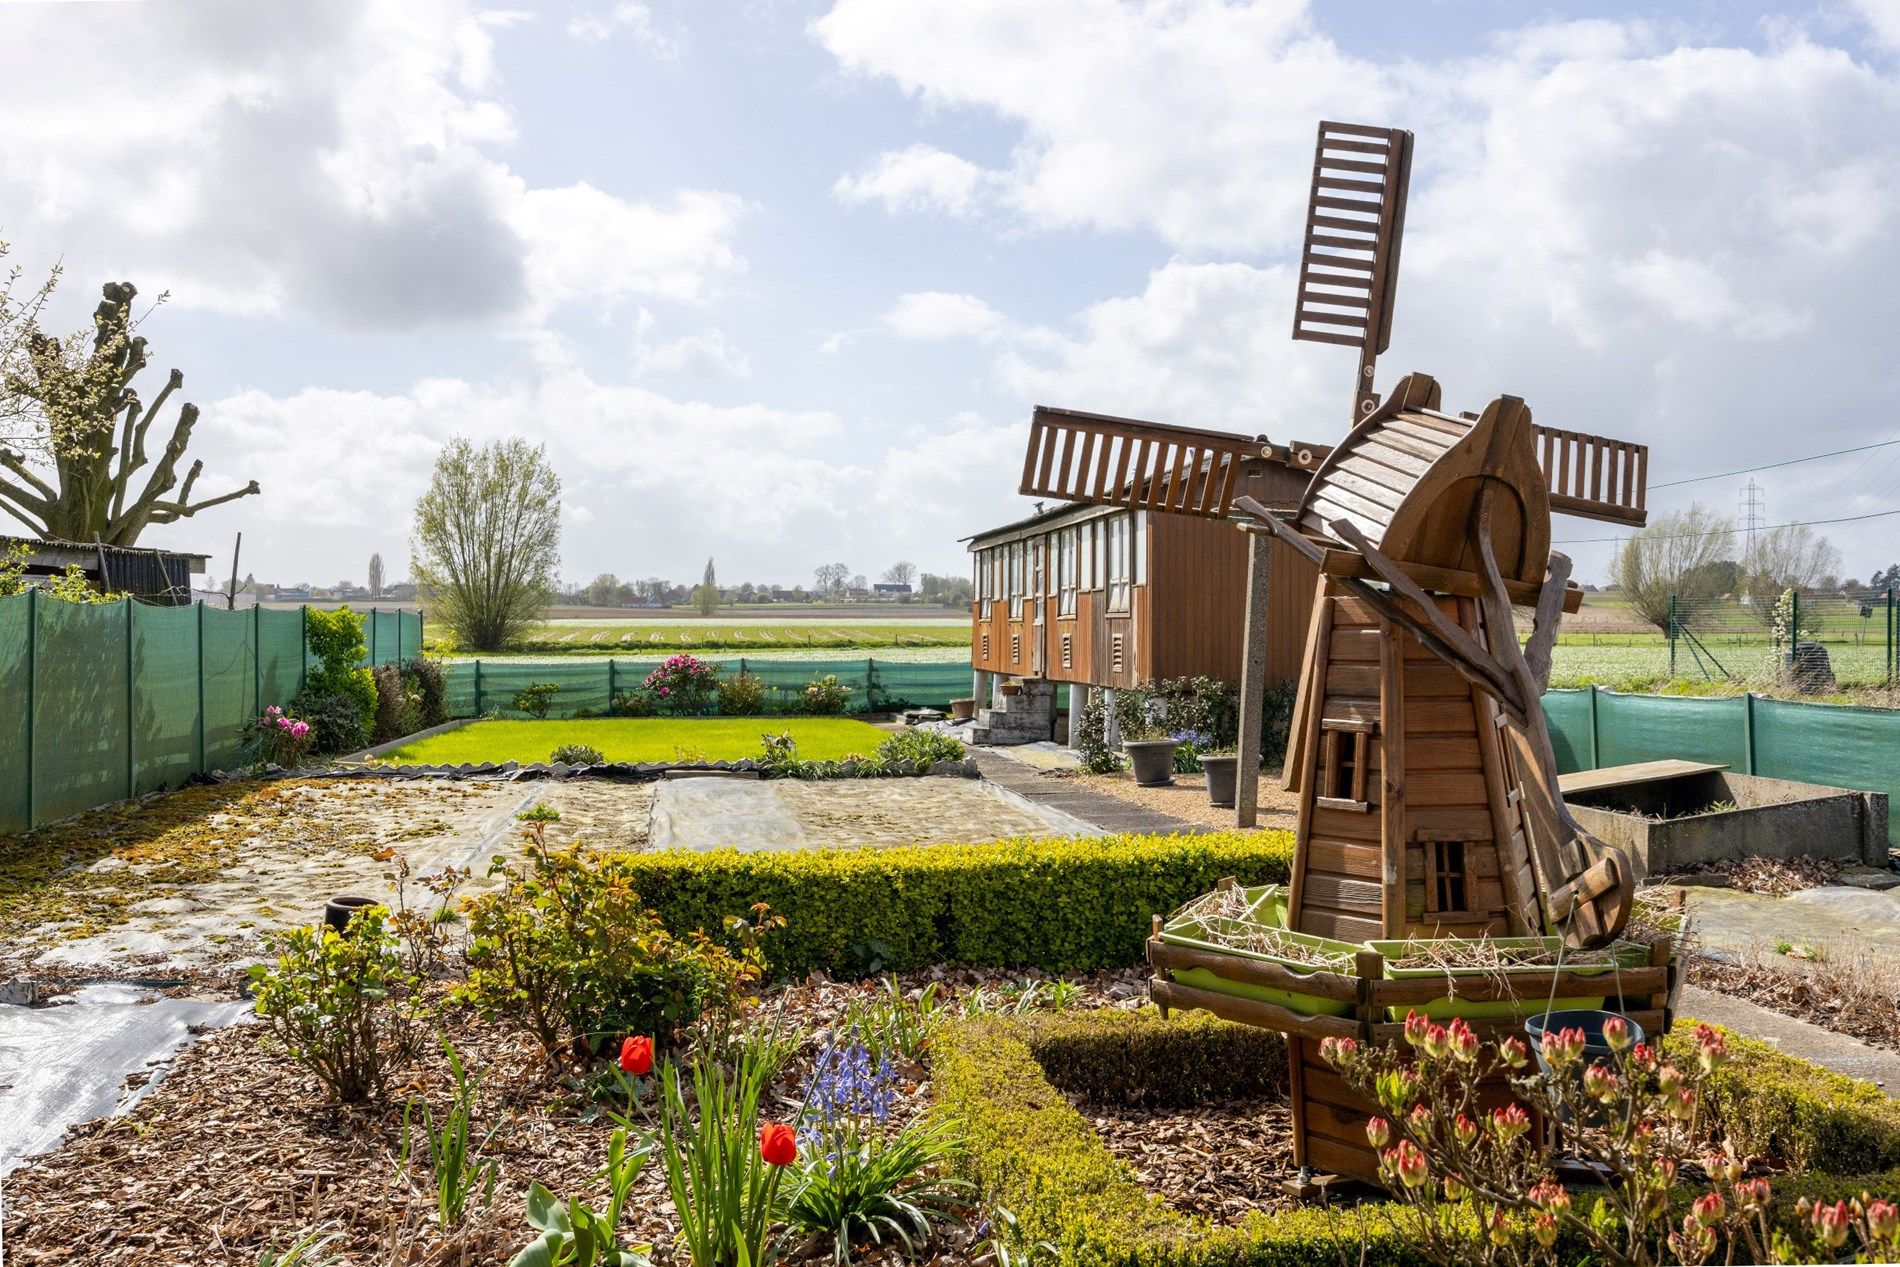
[1589, 1020]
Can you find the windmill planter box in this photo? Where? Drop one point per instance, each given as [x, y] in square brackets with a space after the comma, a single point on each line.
[1455, 966]
[1250, 953]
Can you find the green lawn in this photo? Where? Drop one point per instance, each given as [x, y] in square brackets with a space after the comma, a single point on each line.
[641, 739]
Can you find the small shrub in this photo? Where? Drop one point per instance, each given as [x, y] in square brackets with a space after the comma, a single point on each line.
[576, 754]
[536, 699]
[279, 738]
[922, 748]
[826, 696]
[566, 949]
[335, 638]
[337, 724]
[636, 703]
[428, 687]
[394, 708]
[1092, 743]
[344, 1007]
[742, 695]
[684, 684]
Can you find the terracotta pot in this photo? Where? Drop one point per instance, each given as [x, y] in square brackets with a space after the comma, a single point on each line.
[1220, 779]
[1012, 688]
[1152, 759]
[962, 709]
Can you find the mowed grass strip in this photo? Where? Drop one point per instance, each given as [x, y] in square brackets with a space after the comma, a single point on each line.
[641, 739]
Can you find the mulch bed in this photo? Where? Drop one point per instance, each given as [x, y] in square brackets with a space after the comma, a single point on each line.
[1775, 877]
[1860, 1000]
[1223, 1160]
[236, 1150]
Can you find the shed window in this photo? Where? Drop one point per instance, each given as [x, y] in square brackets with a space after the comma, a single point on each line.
[1065, 570]
[1119, 590]
[1013, 583]
[1140, 547]
[985, 582]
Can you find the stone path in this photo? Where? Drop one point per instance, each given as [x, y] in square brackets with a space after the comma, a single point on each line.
[1795, 1037]
[1106, 812]
[1736, 921]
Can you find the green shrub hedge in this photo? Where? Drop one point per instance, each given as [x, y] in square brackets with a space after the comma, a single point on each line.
[1033, 1153]
[1065, 905]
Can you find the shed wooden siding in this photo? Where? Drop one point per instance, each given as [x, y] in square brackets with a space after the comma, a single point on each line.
[1185, 618]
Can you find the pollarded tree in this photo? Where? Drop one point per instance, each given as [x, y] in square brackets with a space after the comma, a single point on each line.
[487, 540]
[1669, 557]
[75, 479]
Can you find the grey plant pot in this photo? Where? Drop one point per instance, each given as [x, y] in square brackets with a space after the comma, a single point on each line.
[1152, 759]
[1220, 779]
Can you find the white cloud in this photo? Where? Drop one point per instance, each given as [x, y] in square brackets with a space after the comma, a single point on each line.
[629, 19]
[342, 471]
[936, 314]
[336, 161]
[920, 178]
[708, 354]
[837, 342]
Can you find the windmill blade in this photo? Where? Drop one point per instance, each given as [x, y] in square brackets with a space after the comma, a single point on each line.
[1349, 264]
[1108, 461]
[1594, 477]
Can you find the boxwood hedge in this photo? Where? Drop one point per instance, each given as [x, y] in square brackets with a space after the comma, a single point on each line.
[1032, 1152]
[1063, 905]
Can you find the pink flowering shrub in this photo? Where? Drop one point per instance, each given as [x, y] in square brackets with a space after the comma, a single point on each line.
[684, 684]
[1476, 1187]
[279, 738]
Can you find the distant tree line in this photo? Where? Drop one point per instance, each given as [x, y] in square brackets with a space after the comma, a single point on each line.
[832, 582]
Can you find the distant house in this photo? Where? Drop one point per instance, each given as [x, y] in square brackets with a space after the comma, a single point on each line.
[889, 590]
[784, 596]
[154, 576]
[298, 594]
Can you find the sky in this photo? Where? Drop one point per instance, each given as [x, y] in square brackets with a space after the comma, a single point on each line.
[779, 283]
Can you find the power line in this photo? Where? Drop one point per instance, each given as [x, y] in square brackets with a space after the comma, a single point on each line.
[1749, 470]
[1717, 532]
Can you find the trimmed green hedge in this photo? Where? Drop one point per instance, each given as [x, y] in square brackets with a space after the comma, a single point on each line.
[1033, 1153]
[1066, 905]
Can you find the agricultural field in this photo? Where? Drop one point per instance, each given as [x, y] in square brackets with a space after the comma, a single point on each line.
[575, 636]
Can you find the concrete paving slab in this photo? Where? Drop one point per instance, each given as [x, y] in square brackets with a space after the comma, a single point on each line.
[1796, 1037]
[68, 1061]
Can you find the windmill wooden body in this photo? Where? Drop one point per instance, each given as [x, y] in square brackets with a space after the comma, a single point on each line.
[1428, 799]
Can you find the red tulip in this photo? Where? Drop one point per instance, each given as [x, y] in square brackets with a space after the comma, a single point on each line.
[777, 1144]
[636, 1055]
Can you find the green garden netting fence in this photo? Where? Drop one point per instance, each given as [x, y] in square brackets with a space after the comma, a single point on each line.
[479, 688]
[1832, 744]
[100, 702]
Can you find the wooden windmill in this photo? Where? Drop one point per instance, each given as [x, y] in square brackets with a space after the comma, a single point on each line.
[1428, 789]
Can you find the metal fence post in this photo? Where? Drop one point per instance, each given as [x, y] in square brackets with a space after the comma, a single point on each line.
[612, 684]
[131, 708]
[1748, 731]
[372, 637]
[303, 648]
[1672, 637]
[1893, 652]
[32, 702]
[203, 722]
[1794, 625]
[257, 658]
[478, 688]
[1596, 760]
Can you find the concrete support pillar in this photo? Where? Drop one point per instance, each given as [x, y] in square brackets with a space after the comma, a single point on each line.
[1253, 681]
[1078, 703]
[984, 688]
[1111, 729]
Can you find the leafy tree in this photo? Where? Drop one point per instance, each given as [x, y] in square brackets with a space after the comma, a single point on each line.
[948, 590]
[1664, 559]
[900, 573]
[706, 597]
[88, 428]
[603, 590]
[487, 539]
[831, 577]
[376, 575]
[1791, 557]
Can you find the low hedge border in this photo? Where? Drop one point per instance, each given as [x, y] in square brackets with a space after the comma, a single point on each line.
[1033, 1153]
[1059, 905]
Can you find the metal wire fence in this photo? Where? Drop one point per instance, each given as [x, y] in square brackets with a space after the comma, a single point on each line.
[1815, 641]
